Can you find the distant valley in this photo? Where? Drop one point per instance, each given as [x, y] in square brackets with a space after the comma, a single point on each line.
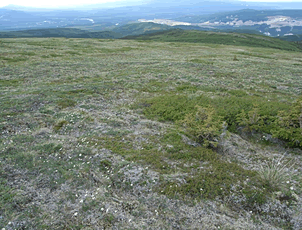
[140, 19]
[269, 22]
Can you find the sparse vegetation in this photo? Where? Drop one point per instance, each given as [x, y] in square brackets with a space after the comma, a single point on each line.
[128, 134]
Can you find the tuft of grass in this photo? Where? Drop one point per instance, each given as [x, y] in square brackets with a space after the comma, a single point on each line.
[275, 175]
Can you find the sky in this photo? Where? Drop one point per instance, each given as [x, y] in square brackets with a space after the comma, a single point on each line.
[51, 3]
[58, 3]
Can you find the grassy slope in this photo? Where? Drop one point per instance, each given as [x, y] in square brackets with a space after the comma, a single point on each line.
[218, 38]
[292, 38]
[140, 28]
[60, 32]
[78, 149]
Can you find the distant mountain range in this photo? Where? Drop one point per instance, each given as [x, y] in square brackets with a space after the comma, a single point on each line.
[134, 18]
[14, 17]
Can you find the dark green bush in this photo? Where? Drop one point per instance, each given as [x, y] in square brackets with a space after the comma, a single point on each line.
[288, 125]
[251, 120]
[205, 125]
[175, 108]
[282, 120]
[169, 108]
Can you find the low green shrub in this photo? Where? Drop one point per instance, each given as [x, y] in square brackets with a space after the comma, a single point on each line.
[205, 125]
[288, 125]
[230, 107]
[282, 120]
[169, 107]
[253, 197]
[251, 120]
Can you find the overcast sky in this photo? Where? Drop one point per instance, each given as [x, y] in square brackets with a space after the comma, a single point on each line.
[52, 3]
[58, 3]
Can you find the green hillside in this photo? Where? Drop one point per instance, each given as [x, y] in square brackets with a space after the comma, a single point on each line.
[140, 28]
[95, 27]
[60, 32]
[158, 32]
[292, 38]
[218, 38]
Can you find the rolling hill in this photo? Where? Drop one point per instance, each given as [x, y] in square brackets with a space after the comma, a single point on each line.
[60, 32]
[292, 38]
[217, 38]
[140, 28]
